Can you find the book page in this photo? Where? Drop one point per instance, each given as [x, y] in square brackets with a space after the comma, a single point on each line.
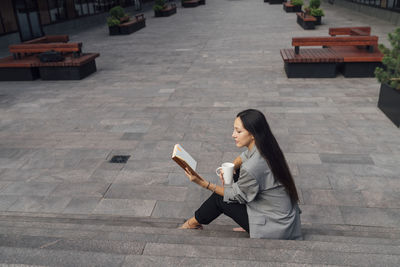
[180, 153]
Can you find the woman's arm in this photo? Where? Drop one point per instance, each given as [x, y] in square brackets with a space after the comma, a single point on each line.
[205, 184]
[237, 162]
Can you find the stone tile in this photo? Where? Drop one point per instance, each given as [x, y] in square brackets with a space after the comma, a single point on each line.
[132, 207]
[321, 214]
[364, 183]
[346, 158]
[103, 176]
[40, 204]
[58, 257]
[81, 189]
[381, 199]
[332, 198]
[142, 178]
[156, 192]
[302, 158]
[28, 189]
[371, 216]
[6, 201]
[174, 209]
[82, 205]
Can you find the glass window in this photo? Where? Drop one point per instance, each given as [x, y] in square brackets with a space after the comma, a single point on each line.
[8, 21]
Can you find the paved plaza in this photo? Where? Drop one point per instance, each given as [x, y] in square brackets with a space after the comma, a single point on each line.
[182, 79]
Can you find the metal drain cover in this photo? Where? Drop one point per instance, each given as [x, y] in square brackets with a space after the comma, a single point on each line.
[119, 159]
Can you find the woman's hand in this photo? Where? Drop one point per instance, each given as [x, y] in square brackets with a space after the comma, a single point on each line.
[221, 177]
[192, 177]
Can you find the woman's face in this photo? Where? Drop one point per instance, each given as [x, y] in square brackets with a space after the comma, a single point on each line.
[241, 135]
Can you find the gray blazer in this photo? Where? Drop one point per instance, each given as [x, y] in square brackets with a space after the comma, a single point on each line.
[270, 210]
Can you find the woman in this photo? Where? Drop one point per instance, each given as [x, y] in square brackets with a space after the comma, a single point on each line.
[263, 200]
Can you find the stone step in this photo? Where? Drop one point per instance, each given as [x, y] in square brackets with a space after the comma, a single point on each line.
[148, 239]
[158, 225]
[95, 252]
[274, 255]
[126, 241]
[24, 257]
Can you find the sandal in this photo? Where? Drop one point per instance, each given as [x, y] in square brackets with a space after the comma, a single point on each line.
[187, 225]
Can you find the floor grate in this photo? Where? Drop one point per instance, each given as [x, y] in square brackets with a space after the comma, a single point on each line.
[119, 159]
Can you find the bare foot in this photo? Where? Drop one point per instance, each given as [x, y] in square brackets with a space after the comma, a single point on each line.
[192, 223]
[238, 229]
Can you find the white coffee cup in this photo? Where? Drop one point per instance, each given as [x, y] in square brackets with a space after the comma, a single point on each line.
[227, 168]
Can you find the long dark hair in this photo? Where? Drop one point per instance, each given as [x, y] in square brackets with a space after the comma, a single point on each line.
[256, 123]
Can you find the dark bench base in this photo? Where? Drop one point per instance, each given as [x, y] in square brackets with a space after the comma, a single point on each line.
[68, 73]
[389, 103]
[193, 3]
[133, 27]
[202, 2]
[165, 13]
[19, 74]
[266, 1]
[275, 2]
[291, 8]
[319, 20]
[359, 69]
[311, 70]
[306, 25]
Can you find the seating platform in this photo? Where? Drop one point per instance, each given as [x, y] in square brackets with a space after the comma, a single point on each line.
[30, 68]
[354, 56]
[311, 63]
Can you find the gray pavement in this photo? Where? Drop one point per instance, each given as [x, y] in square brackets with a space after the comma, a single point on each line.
[182, 79]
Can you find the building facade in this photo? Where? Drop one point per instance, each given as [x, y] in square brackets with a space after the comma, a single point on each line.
[27, 17]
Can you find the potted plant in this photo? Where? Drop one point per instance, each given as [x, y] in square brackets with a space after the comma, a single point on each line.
[316, 11]
[305, 20]
[293, 6]
[389, 77]
[117, 16]
[162, 9]
[113, 24]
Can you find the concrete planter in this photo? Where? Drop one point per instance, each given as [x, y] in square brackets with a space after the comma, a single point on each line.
[389, 103]
[114, 30]
[291, 8]
[166, 12]
[307, 23]
[318, 22]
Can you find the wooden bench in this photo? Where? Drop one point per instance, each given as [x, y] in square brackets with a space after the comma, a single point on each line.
[133, 25]
[31, 68]
[360, 31]
[354, 56]
[368, 41]
[49, 39]
[19, 50]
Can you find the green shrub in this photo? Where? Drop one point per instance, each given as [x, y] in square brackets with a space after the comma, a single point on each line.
[117, 12]
[317, 12]
[159, 5]
[111, 22]
[314, 4]
[391, 60]
[297, 2]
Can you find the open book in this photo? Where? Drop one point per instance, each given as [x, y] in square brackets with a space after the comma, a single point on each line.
[180, 156]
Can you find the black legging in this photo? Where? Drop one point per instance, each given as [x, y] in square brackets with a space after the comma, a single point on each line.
[215, 206]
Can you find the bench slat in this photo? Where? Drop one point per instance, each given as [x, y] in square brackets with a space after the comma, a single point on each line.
[347, 30]
[335, 41]
[43, 47]
[311, 55]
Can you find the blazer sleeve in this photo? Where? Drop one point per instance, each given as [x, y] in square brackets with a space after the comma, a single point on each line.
[244, 190]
